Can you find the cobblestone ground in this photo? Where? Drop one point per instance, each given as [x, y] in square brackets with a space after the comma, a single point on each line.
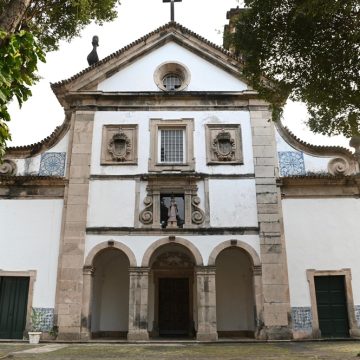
[338, 350]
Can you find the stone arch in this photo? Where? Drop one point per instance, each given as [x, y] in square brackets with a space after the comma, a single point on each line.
[234, 243]
[165, 241]
[110, 245]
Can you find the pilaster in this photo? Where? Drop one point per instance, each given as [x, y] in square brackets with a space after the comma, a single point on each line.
[274, 323]
[138, 304]
[206, 303]
[69, 294]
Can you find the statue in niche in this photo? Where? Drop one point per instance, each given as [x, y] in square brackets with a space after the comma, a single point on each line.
[173, 213]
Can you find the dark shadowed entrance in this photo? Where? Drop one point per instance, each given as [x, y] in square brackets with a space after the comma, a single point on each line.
[172, 282]
[174, 304]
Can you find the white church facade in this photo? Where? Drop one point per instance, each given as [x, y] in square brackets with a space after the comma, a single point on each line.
[168, 204]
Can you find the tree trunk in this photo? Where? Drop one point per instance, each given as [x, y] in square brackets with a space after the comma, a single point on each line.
[12, 15]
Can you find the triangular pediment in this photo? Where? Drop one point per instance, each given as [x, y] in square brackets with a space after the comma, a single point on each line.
[166, 39]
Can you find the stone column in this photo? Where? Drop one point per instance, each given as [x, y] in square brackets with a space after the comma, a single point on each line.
[86, 303]
[69, 292]
[206, 303]
[276, 301]
[138, 304]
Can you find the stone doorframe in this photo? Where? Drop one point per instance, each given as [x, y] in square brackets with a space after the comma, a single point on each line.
[31, 274]
[257, 274]
[354, 330]
[88, 272]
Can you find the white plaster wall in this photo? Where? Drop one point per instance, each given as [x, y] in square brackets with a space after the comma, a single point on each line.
[30, 235]
[312, 163]
[234, 291]
[139, 76]
[31, 166]
[142, 119]
[139, 244]
[110, 292]
[321, 234]
[233, 202]
[111, 203]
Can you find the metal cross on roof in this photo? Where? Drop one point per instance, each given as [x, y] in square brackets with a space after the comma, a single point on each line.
[172, 7]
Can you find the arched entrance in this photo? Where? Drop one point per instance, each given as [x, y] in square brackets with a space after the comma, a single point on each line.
[235, 300]
[171, 291]
[110, 300]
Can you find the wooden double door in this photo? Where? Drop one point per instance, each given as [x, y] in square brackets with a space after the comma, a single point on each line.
[332, 306]
[13, 306]
[174, 307]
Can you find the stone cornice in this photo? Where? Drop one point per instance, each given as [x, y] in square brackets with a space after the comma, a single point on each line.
[319, 186]
[177, 232]
[114, 101]
[15, 187]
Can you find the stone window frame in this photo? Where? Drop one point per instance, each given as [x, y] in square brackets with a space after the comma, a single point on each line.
[108, 133]
[187, 124]
[172, 68]
[31, 274]
[354, 330]
[149, 216]
[210, 130]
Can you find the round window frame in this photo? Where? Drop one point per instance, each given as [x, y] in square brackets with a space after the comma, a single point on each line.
[175, 68]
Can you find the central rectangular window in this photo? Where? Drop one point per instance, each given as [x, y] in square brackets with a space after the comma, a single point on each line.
[172, 146]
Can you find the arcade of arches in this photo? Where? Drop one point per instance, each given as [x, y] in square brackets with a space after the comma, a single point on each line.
[174, 296]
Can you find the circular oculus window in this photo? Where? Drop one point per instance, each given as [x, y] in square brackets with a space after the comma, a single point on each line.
[172, 76]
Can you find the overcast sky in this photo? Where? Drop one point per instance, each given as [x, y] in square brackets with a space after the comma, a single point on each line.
[42, 113]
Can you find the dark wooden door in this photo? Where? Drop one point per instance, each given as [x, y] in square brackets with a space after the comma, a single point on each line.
[174, 306]
[13, 304]
[331, 306]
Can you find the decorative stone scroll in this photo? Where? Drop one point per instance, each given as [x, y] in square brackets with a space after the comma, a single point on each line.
[339, 166]
[197, 215]
[223, 144]
[146, 216]
[8, 167]
[119, 145]
[156, 210]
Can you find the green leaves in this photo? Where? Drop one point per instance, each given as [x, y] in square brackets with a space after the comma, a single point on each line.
[19, 54]
[311, 50]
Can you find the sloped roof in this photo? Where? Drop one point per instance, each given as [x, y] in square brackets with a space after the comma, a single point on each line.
[176, 31]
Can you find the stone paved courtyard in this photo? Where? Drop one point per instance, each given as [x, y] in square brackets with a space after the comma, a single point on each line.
[231, 351]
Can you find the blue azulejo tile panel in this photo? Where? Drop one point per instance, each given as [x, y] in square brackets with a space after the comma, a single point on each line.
[357, 314]
[291, 163]
[52, 164]
[301, 318]
[46, 318]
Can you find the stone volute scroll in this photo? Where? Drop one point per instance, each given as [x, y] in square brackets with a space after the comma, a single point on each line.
[8, 167]
[198, 215]
[146, 216]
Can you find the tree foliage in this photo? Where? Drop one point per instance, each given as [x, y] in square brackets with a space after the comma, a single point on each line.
[310, 49]
[29, 29]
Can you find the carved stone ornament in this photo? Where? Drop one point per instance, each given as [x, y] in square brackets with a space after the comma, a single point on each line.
[339, 166]
[197, 215]
[224, 146]
[120, 147]
[146, 216]
[173, 259]
[119, 144]
[8, 167]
